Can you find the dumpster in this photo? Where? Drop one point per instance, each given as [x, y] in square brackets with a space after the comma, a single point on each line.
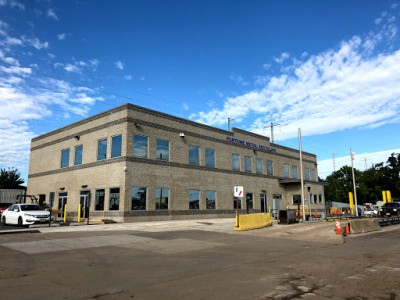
[287, 216]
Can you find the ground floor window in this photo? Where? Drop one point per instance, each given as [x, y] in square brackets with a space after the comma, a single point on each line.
[236, 201]
[320, 198]
[51, 199]
[139, 198]
[249, 200]
[99, 199]
[210, 199]
[162, 198]
[315, 199]
[114, 199]
[296, 199]
[194, 199]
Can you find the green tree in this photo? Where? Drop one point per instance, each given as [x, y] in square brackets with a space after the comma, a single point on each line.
[10, 179]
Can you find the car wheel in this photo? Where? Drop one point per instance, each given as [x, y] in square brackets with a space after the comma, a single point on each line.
[20, 222]
[3, 220]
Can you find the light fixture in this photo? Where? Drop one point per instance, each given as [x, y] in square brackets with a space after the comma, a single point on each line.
[138, 124]
[255, 151]
[182, 135]
[84, 186]
[77, 137]
[62, 188]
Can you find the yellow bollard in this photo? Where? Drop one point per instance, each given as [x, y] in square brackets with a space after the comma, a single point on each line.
[388, 196]
[79, 213]
[56, 214]
[351, 202]
[269, 209]
[384, 196]
[65, 213]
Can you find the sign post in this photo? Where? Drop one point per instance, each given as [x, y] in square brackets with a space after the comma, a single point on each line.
[238, 192]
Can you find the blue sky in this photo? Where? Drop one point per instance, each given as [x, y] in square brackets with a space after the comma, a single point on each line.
[331, 68]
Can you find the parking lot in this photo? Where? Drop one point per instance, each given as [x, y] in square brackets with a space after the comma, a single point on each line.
[199, 259]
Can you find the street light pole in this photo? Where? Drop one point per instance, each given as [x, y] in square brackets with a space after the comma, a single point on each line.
[354, 181]
[301, 178]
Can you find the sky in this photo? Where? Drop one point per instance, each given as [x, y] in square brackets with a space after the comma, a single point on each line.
[330, 68]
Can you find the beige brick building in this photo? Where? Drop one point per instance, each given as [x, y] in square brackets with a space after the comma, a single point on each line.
[133, 164]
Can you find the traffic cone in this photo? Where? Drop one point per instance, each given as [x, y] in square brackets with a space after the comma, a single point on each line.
[347, 228]
[338, 230]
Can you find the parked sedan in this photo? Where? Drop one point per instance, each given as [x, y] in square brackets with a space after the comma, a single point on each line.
[390, 209]
[25, 214]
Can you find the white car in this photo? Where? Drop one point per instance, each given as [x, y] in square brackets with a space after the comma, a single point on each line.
[24, 214]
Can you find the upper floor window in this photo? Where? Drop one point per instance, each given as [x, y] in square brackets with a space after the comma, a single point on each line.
[140, 146]
[162, 150]
[102, 149]
[286, 170]
[194, 155]
[259, 165]
[270, 169]
[307, 173]
[210, 158]
[313, 177]
[294, 171]
[296, 199]
[247, 164]
[236, 162]
[64, 158]
[78, 155]
[116, 144]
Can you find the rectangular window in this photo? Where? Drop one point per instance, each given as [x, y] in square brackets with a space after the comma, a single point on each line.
[247, 164]
[162, 150]
[259, 165]
[194, 155]
[162, 198]
[249, 200]
[320, 199]
[210, 158]
[296, 199]
[78, 155]
[237, 201]
[116, 144]
[210, 199]
[194, 199]
[294, 171]
[140, 146]
[139, 198]
[99, 199]
[102, 149]
[51, 199]
[65, 158]
[315, 199]
[307, 174]
[236, 162]
[270, 169]
[286, 170]
[313, 177]
[114, 199]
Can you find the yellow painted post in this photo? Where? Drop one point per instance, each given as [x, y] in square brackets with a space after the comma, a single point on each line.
[388, 196]
[269, 209]
[79, 213]
[56, 214]
[65, 213]
[384, 196]
[351, 202]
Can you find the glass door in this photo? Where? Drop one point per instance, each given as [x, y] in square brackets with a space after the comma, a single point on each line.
[62, 200]
[263, 200]
[84, 200]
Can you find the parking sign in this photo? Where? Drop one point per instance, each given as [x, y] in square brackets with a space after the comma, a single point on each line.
[238, 191]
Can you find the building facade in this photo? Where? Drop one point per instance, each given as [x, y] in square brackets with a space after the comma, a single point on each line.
[134, 164]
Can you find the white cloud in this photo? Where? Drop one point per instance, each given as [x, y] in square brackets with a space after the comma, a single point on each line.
[15, 70]
[12, 3]
[338, 89]
[282, 58]
[128, 77]
[238, 79]
[52, 14]
[37, 44]
[72, 68]
[61, 36]
[325, 167]
[185, 106]
[119, 65]
[378, 21]
[266, 66]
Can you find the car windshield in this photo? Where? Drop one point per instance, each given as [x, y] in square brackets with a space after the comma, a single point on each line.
[392, 204]
[30, 207]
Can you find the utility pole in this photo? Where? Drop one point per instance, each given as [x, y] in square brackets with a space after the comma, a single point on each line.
[301, 178]
[272, 130]
[354, 181]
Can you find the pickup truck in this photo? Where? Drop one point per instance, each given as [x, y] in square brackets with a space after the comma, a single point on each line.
[390, 209]
[4, 206]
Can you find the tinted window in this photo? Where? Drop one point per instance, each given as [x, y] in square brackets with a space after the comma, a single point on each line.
[139, 198]
[116, 144]
[259, 165]
[270, 169]
[236, 162]
[210, 199]
[286, 170]
[307, 174]
[313, 177]
[296, 199]
[249, 200]
[65, 158]
[193, 155]
[99, 199]
[210, 158]
[114, 199]
[162, 198]
[294, 171]
[247, 164]
[78, 155]
[102, 149]
[140, 146]
[194, 199]
[163, 150]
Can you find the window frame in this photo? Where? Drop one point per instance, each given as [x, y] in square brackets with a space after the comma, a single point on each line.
[206, 156]
[112, 146]
[145, 198]
[62, 152]
[194, 208]
[215, 199]
[195, 148]
[95, 199]
[286, 167]
[109, 198]
[271, 163]
[98, 149]
[294, 174]
[161, 196]
[147, 145]
[76, 147]
[247, 160]
[238, 156]
[169, 150]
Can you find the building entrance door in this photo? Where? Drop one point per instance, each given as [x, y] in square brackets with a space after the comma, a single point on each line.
[276, 205]
[263, 200]
[62, 201]
[84, 200]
